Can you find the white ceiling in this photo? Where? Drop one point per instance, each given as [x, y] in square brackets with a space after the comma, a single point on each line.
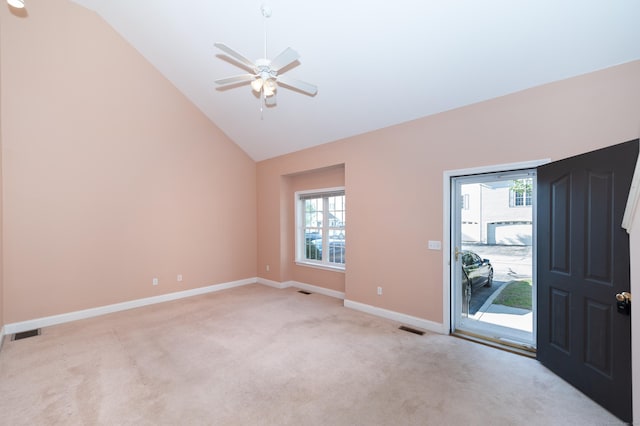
[376, 63]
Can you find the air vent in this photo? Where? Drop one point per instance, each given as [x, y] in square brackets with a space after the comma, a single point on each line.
[303, 292]
[26, 334]
[411, 330]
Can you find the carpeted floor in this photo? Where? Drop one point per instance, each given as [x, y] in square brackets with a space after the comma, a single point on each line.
[255, 355]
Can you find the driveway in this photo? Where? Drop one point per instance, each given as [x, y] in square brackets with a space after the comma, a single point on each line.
[509, 263]
[480, 296]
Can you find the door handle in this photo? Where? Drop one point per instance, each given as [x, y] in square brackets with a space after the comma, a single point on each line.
[624, 302]
[623, 297]
[457, 253]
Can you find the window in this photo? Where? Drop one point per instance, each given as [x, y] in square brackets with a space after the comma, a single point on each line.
[521, 193]
[465, 201]
[320, 234]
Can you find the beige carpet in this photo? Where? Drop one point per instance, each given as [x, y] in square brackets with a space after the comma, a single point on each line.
[261, 356]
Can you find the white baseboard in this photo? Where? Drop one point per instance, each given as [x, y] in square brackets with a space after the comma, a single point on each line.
[315, 289]
[18, 327]
[397, 316]
[21, 326]
[302, 286]
[270, 283]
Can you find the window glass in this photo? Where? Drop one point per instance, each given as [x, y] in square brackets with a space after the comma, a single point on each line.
[521, 193]
[323, 237]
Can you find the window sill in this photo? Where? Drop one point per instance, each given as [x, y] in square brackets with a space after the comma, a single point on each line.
[321, 266]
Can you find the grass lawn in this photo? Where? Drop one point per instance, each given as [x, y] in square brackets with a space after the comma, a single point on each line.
[516, 294]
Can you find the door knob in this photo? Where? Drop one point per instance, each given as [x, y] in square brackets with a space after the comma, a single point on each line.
[624, 303]
[623, 297]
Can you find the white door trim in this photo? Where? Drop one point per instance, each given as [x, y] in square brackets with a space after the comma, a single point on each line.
[632, 201]
[447, 307]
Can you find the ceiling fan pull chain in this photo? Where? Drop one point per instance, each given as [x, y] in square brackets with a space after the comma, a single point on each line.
[262, 101]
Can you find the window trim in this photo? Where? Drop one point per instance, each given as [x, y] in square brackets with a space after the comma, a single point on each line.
[299, 248]
[513, 195]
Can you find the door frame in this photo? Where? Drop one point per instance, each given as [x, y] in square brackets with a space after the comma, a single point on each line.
[447, 253]
[633, 217]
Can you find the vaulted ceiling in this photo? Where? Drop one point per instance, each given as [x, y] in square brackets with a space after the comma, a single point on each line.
[376, 63]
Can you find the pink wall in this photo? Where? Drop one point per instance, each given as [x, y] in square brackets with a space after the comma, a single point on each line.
[329, 177]
[279, 200]
[394, 176]
[111, 176]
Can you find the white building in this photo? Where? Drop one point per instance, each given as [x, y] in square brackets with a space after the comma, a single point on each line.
[494, 213]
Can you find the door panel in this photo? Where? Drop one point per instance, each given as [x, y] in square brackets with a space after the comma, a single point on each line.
[598, 342]
[599, 226]
[583, 261]
[559, 320]
[560, 225]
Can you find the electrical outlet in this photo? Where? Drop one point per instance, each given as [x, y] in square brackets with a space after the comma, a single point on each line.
[268, 268]
[379, 291]
[179, 278]
[154, 281]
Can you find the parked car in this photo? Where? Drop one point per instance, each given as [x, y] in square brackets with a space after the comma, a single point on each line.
[310, 236]
[336, 250]
[476, 272]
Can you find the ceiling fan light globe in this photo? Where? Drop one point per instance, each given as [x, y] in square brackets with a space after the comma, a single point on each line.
[270, 85]
[268, 91]
[19, 4]
[256, 84]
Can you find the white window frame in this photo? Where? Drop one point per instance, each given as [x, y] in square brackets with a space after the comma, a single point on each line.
[300, 241]
[512, 199]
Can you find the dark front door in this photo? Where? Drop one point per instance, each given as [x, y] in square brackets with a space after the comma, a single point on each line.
[583, 262]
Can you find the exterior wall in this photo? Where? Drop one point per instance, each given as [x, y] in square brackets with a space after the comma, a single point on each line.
[489, 217]
[393, 177]
[111, 176]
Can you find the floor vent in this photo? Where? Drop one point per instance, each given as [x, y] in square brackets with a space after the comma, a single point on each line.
[25, 334]
[411, 330]
[303, 292]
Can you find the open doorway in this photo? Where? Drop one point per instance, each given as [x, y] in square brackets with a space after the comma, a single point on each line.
[492, 267]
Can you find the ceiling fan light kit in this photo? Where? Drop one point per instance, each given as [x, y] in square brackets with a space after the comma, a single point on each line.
[264, 78]
[18, 4]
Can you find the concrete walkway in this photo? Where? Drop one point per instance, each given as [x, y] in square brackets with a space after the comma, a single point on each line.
[510, 263]
[505, 316]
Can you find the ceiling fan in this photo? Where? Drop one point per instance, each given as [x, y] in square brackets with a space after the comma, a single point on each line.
[264, 73]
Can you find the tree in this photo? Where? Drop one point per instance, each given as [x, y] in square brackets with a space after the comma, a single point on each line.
[522, 186]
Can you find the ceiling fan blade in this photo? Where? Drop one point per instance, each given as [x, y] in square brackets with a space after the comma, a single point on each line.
[285, 58]
[235, 79]
[307, 88]
[235, 55]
